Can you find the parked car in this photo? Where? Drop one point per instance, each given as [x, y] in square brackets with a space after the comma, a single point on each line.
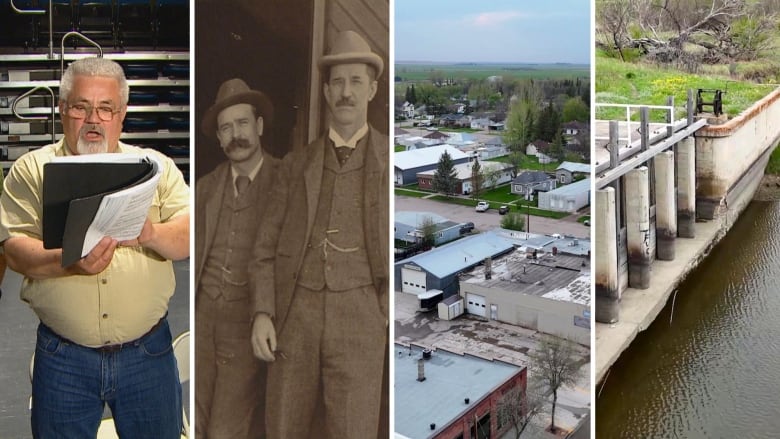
[466, 228]
[482, 206]
[503, 209]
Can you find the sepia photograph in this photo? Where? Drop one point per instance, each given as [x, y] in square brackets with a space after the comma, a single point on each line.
[292, 223]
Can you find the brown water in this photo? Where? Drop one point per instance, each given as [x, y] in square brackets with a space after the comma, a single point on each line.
[714, 372]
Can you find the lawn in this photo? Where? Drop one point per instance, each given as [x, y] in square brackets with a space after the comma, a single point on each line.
[408, 193]
[400, 148]
[529, 162]
[638, 83]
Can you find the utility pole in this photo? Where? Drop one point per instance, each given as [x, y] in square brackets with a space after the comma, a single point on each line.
[527, 220]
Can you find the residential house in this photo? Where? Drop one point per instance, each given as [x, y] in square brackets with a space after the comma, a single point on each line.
[567, 171]
[407, 110]
[408, 163]
[530, 182]
[481, 123]
[408, 227]
[571, 129]
[539, 149]
[501, 173]
[455, 120]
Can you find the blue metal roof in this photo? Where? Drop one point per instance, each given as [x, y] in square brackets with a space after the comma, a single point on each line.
[461, 254]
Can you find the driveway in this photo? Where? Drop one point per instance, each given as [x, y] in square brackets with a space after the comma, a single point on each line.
[491, 219]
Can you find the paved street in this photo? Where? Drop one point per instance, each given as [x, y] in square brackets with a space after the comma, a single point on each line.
[494, 340]
[491, 219]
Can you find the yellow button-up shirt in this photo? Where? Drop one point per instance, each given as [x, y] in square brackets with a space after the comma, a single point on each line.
[130, 295]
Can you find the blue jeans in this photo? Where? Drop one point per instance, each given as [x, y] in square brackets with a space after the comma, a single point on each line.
[72, 384]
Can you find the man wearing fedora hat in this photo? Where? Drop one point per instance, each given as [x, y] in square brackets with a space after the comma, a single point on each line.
[230, 381]
[324, 252]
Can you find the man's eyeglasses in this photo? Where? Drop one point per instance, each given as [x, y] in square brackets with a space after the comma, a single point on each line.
[82, 111]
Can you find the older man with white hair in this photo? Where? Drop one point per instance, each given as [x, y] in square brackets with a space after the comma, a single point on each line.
[103, 337]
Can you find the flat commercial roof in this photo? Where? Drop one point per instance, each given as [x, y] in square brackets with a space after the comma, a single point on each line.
[449, 380]
[572, 189]
[558, 277]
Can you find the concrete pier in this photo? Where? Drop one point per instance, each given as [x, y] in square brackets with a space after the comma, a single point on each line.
[607, 292]
[686, 188]
[665, 206]
[638, 227]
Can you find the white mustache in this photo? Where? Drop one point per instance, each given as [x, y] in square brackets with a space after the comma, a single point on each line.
[91, 127]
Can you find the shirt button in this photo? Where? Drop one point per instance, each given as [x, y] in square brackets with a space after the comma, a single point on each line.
[104, 281]
[105, 316]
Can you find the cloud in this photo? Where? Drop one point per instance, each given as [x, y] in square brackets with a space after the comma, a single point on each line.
[494, 18]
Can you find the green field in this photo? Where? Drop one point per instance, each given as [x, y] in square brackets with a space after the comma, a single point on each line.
[422, 72]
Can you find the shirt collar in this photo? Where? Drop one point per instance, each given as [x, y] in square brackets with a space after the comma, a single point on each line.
[352, 142]
[252, 174]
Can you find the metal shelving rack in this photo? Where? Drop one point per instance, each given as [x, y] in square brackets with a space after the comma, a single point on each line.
[162, 123]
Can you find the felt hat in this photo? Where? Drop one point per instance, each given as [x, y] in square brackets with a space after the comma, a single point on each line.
[235, 91]
[350, 48]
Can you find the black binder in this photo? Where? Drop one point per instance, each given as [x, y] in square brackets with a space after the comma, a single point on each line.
[72, 193]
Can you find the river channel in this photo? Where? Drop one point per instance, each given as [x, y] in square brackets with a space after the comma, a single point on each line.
[714, 371]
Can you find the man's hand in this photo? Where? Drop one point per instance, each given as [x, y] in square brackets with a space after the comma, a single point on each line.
[97, 260]
[146, 235]
[263, 337]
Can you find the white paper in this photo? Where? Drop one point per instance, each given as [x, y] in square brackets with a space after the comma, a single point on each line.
[122, 214]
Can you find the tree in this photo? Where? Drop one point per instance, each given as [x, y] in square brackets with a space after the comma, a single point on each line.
[575, 109]
[520, 125]
[428, 232]
[518, 407]
[549, 123]
[445, 178]
[556, 365]
[513, 221]
[515, 159]
[557, 148]
[412, 98]
[477, 179]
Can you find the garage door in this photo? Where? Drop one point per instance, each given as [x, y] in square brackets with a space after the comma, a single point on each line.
[475, 304]
[413, 281]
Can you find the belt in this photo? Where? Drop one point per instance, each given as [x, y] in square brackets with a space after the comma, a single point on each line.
[118, 347]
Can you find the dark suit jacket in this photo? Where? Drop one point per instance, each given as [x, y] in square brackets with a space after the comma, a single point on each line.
[281, 246]
[209, 190]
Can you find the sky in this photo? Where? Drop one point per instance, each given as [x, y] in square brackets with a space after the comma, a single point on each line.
[506, 31]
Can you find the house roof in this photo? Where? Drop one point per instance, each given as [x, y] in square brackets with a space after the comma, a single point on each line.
[531, 177]
[439, 399]
[575, 167]
[494, 140]
[400, 131]
[575, 124]
[463, 170]
[436, 135]
[575, 188]
[541, 145]
[418, 158]
[457, 256]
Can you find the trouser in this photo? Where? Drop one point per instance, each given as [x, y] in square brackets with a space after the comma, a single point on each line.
[330, 355]
[229, 379]
[73, 383]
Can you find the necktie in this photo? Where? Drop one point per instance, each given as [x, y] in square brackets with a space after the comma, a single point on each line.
[242, 182]
[343, 153]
